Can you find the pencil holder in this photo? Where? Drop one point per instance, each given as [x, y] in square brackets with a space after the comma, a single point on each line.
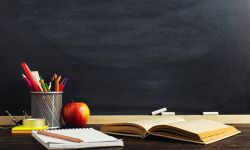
[47, 105]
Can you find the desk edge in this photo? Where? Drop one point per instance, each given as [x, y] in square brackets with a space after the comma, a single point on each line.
[104, 119]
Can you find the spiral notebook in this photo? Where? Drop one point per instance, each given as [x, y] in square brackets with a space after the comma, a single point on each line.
[91, 137]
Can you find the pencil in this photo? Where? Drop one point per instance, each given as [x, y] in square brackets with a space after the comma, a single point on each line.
[57, 86]
[43, 85]
[58, 136]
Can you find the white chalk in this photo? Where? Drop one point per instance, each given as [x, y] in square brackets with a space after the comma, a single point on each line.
[167, 113]
[156, 112]
[210, 113]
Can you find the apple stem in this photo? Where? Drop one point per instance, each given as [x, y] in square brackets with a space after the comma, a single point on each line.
[72, 100]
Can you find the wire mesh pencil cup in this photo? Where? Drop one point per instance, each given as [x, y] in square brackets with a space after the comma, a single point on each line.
[47, 105]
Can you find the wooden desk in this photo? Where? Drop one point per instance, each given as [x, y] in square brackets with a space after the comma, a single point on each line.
[240, 141]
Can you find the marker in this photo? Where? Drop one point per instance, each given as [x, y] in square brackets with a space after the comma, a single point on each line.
[156, 112]
[28, 82]
[30, 76]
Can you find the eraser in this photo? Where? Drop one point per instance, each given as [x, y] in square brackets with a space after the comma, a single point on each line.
[156, 112]
[210, 113]
[167, 113]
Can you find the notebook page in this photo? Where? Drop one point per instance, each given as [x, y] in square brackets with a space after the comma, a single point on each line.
[89, 135]
[148, 123]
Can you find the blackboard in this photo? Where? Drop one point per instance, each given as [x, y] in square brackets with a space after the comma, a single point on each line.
[130, 56]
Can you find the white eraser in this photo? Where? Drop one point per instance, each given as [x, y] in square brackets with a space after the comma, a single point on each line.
[167, 113]
[156, 112]
[210, 113]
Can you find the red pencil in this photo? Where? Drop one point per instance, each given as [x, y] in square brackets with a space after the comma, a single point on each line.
[30, 76]
[62, 85]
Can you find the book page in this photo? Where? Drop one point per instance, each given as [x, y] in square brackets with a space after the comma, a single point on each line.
[203, 128]
[148, 123]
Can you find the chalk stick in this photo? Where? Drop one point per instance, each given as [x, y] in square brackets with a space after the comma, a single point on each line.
[156, 112]
[167, 113]
[210, 113]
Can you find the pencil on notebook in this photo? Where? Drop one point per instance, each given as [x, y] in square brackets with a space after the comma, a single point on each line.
[58, 136]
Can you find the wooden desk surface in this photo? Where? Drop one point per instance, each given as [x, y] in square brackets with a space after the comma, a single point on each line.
[240, 141]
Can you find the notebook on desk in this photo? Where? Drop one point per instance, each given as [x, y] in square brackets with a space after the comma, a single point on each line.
[91, 138]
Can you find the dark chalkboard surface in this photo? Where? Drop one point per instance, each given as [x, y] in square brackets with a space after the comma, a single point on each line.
[130, 56]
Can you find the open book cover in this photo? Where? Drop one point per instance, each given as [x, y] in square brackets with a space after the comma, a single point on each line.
[197, 131]
[91, 138]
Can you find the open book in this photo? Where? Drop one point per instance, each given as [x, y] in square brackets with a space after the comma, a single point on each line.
[90, 137]
[198, 131]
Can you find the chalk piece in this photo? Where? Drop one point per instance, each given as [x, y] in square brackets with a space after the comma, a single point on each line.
[167, 113]
[210, 113]
[156, 112]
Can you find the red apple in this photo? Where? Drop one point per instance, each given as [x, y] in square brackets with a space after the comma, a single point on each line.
[76, 114]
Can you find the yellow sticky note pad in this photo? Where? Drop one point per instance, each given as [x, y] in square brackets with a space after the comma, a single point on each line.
[23, 129]
[29, 125]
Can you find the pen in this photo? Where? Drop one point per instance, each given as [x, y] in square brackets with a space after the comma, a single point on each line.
[28, 82]
[58, 136]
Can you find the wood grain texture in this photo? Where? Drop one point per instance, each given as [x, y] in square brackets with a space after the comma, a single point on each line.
[239, 142]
